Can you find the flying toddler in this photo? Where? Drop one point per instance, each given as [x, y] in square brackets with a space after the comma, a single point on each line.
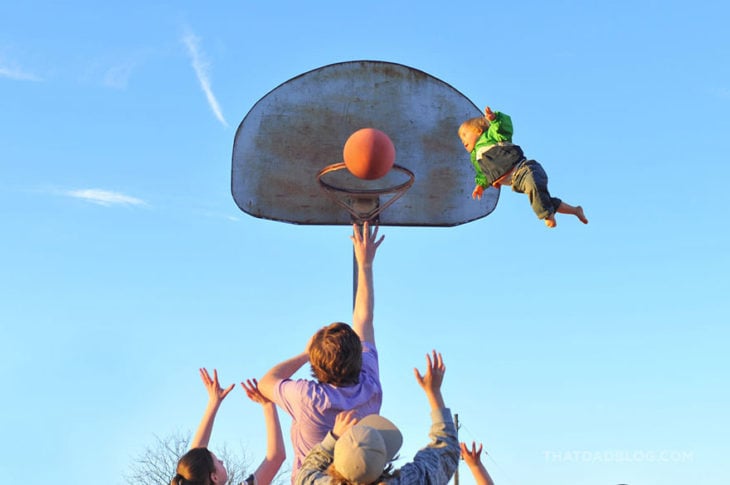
[497, 161]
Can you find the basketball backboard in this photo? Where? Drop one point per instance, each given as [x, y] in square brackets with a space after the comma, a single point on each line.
[301, 126]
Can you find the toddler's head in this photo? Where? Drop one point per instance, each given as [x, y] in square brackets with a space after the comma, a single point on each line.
[471, 130]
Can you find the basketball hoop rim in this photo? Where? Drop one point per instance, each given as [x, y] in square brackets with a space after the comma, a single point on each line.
[371, 194]
[365, 192]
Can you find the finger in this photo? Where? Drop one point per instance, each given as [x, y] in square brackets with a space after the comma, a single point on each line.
[227, 390]
[379, 241]
[419, 377]
[215, 376]
[439, 361]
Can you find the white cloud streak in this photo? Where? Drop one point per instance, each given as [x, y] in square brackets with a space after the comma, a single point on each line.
[104, 197]
[17, 74]
[201, 66]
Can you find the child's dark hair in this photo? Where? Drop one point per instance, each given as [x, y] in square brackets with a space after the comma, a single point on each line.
[335, 355]
[194, 468]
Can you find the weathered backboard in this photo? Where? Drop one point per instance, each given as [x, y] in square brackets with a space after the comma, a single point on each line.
[301, 126]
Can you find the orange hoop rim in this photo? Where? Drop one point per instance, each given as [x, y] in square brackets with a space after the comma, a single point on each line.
[365, 192]
[332, 190]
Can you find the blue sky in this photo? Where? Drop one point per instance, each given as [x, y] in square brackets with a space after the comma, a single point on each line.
[580, 355]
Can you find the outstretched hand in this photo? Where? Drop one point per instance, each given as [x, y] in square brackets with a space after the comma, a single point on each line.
[251, 386]
[365, 242]
[431, 380]
[478, 192]
[216, 394]
[471, 456]
[472, 459]
[344, 421]
[489, 114]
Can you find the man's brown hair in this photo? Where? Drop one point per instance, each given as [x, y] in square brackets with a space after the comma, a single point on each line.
[335, 355]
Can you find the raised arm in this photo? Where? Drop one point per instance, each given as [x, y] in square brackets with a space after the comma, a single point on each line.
[281, 371]
[437, 462]
[431, 381]
[275, 451]
[365, 243]
[500, 126]
[473, 461]
[215, 397]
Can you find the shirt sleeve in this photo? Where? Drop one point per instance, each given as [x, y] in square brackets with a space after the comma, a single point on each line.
[500, 129]
[479, 178]
[250, 480]
[314, 467]
[370, 360]
[289, 394]
[437, 462]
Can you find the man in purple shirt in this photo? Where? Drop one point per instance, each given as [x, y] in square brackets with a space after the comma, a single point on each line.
[344, 361]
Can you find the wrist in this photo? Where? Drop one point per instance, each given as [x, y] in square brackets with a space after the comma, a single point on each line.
[435, 400]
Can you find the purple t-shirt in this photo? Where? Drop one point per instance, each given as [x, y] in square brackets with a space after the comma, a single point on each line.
[313, 406]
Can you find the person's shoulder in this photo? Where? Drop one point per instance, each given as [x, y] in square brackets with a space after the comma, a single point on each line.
[292, 389]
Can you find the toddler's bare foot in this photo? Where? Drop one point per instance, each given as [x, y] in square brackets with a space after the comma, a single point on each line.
[550, 221]
[580, 215]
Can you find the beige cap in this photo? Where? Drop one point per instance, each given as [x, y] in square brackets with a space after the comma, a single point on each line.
[364, 450]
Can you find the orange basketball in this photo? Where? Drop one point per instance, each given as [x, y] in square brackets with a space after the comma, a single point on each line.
[369, 154]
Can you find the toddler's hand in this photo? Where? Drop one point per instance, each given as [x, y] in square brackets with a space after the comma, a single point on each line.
[478, 192]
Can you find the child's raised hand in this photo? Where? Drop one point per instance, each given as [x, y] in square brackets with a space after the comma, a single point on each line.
[489, 114]
[434, 375]
[252, 391]
[471, 456]
[478, 192]
[215, 392]
[344, 421]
